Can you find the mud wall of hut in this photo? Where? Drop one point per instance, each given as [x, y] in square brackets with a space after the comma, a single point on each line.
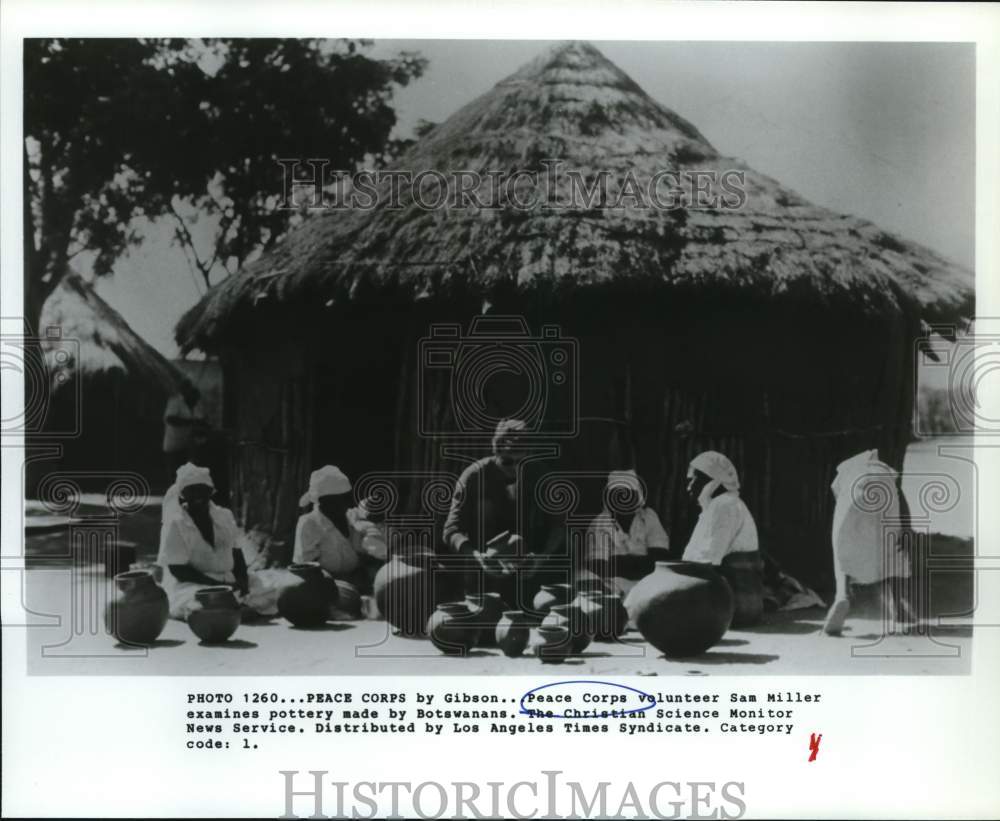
[786, 390]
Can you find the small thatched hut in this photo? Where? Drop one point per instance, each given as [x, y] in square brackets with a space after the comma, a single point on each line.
[779, 333]
[105, 381]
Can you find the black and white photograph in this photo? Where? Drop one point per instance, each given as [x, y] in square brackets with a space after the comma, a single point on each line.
[617, 362]
[544, 346]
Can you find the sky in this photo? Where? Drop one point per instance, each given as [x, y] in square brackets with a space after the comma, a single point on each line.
[884, 131]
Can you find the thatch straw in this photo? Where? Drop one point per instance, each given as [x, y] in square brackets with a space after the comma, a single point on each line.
[573, 105]
[101, 341]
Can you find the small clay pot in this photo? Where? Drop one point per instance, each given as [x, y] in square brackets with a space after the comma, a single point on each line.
[744, 572]
[348, 599]
[488, 609]
[593, 611]
[575, 621]
[512, 632]
[551, 594]
[307, 602]
[453, 628]
[217, 615]
[553, 645]
[139, 612]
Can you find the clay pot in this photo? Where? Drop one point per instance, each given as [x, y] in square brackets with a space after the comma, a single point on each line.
[553, 645]
[348, 599]
[488, 609]
[139, 612]
[307, 602]
[512, 632]
[575, 620]
[590, 605]
[681, 608]
[588, 582]
[453, 628]
[613, 618]
[551, 594]
[217, 615]
[743, 572]
[405, 591]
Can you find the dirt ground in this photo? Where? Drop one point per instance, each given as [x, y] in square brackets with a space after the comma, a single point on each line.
[787, 643]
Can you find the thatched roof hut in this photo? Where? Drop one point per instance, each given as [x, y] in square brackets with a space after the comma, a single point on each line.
[105, 381]
[104, 343]
[778, 331]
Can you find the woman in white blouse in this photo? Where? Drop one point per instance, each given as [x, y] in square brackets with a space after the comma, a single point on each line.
[337, 536]
[202, 546]
[619, 540]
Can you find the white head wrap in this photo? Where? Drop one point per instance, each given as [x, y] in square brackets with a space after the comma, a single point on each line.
[187, 475]
[719, 469]
[326, 481]
[619, 480]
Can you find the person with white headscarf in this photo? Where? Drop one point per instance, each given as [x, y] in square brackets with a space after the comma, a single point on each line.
[725, 525]
[866, 534]
[725, 534]
[336, 535]
[202, 546]
[622, 541]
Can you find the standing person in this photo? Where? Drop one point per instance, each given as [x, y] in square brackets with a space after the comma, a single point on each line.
[622, 541]
[483, 523]
[725, 535]
[336, 535]
[184, 427]
[867, 545]
[202, 546]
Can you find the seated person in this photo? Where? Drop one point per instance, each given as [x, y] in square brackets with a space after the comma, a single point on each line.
[725, 535]
[201, 546]
[337, 536]
[483, 524]
[623, 541]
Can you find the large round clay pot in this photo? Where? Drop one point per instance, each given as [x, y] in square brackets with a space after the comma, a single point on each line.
[576, 621]
[139, 612]
[614, 617]
[681, 608]
[307, 602]
[405, 591]
[550, 594]
[348, 599]
[217, 615]
[512, 632]
[453, 628]
[488, 608]
[743, 571]
[553, 645]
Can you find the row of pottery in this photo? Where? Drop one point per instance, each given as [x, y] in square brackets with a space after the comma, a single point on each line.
[681, 608]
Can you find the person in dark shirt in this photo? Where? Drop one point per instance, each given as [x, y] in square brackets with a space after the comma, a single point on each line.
[483, 520]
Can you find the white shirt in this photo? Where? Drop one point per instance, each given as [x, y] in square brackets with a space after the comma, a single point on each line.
[724, 526]
[317, 539]
[182, 543]
[605, 537]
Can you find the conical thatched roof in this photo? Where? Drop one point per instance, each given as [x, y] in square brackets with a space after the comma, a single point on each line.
[573, 105]
[100, 341]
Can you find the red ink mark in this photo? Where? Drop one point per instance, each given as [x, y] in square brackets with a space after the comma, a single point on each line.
[814, 741]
